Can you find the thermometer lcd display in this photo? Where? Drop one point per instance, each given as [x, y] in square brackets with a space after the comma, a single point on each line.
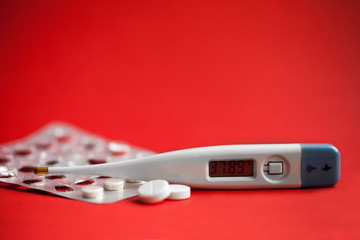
[233, 168]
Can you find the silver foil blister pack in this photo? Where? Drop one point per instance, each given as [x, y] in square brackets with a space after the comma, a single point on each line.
[60, 145]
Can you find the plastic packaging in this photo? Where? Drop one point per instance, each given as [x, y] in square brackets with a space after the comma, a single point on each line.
[60, 144]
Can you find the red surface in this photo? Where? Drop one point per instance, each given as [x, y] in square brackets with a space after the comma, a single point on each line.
[171, 75]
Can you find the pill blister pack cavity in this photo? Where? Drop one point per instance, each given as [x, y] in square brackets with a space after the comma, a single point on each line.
[61, 145]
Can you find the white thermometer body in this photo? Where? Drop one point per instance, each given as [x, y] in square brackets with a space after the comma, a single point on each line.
[255, 166]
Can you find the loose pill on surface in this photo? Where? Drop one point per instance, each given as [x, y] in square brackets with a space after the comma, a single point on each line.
[154, 191]
[92, 191]
[179, 192]
[113, 184]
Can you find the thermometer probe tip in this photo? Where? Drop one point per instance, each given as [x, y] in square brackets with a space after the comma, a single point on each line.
[41, 170]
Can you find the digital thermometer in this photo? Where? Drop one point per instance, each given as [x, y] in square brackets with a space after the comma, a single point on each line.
[255, 166]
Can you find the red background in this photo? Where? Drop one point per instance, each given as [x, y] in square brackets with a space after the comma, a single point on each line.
[170, 75]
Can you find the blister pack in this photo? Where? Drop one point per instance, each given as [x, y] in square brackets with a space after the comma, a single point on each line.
[60, 144]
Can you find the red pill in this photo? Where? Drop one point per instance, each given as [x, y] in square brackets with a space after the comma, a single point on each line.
[103, 177]
[27, 169]
[4, 160]
[118, 153]
[32, 181]
[86, 182]
[63, 188]
[53, 177]
[22, 151]
[43, 145]
[64, 138]
[52, 162]
[89, 146]
[96, 161]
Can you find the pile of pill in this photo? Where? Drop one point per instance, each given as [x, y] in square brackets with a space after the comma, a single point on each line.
[110, 184]
[61, 145]
[158, 190]
[149, 192]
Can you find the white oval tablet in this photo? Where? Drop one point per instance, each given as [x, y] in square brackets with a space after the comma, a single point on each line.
[113, 184]
[135, 181]
[92, 191]
[118, 148]
[179, 192]
[154, 191]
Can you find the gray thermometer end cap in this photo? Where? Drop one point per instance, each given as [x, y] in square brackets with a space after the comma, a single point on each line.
[320, 165]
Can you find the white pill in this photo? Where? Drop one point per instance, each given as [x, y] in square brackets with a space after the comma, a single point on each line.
[135, 181]
[113, 184]
[179, 192]
[118, 149]
[154, 191]
[93, 191]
